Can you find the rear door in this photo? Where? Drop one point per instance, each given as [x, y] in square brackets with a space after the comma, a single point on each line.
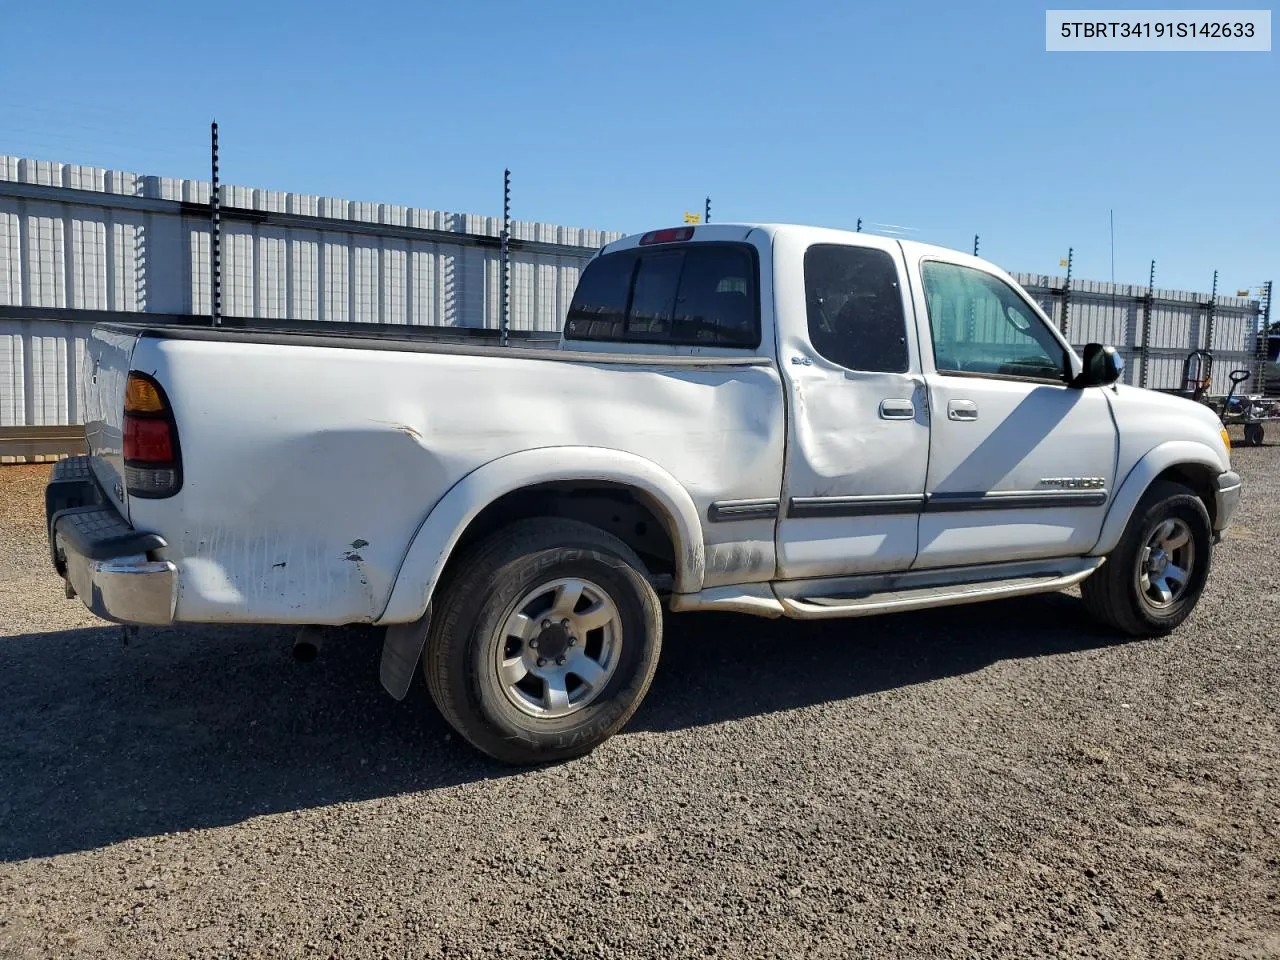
[1021, 465]
[858, 423]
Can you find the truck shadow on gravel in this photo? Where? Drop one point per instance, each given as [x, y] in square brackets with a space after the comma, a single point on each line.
[718, 667]
[190, 728]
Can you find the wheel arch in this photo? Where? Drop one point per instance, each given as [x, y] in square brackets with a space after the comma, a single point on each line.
[447, 523]
[1192, 464]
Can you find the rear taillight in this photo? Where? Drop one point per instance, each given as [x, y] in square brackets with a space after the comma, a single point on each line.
[152, 460]
[148, 441]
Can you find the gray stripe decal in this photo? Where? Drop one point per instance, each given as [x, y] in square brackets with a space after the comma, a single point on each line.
[725, 510]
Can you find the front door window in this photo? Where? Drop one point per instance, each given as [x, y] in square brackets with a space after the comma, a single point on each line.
[981, 327]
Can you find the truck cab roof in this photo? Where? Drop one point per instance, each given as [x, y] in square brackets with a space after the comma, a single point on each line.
[729, 232]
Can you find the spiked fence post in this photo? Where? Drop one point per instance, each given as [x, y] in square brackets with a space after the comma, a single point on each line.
[1263, 347]
[1210, 318]
[1148, 306]
[504, 316]
[1066, 295]
[215, 224]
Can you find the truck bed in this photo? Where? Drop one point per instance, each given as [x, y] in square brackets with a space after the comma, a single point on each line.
[311, 459]
[400, 340]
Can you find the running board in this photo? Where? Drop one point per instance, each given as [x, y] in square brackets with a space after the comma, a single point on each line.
[924, 598]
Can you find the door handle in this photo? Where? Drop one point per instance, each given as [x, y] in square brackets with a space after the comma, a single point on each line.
[895, 409]
[962, 410]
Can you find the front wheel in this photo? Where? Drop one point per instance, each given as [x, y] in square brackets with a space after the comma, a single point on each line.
[1153, 579]
[1253, 434]
[545, 640]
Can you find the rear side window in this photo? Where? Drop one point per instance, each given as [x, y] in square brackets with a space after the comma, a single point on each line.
[855, 308]
[699, 294]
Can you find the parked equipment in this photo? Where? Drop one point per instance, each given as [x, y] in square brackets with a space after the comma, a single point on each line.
[1250, 411]
[1197, 375]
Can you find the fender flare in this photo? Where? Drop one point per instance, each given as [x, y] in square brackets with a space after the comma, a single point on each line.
[407, 611]
[1172, 453]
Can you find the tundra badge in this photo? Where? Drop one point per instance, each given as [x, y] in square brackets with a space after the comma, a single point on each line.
[1075, 483]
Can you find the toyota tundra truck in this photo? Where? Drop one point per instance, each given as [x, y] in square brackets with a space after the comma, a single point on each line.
[774, 420]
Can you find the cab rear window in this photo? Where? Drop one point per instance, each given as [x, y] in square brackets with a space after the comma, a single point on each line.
[702, 294]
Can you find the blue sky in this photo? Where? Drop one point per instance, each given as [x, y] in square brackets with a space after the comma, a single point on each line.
[947, 118]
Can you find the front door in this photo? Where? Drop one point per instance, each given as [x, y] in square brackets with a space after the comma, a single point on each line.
[858, 431]
[1021, 465]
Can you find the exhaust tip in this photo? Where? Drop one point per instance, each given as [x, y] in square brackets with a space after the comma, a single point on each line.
[307, 644]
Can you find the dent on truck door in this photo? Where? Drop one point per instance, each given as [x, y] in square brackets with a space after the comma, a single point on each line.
[858, 444]
[1021, 465]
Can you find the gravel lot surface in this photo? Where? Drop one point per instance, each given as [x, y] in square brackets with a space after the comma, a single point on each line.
[1000, 780]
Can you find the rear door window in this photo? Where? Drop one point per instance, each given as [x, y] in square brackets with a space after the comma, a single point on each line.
[701, 294]
[855, 308]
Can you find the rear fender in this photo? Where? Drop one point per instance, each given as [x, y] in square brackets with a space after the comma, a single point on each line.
[407, 611]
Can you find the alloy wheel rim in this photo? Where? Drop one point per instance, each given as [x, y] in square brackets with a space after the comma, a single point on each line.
[558, 647]
[1166, 563]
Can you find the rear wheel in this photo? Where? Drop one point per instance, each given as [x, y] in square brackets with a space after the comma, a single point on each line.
[1153, 579]
[545, 640]
[1253, 434]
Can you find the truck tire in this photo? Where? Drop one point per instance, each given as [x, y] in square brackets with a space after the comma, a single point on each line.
[1154, 577]
[545, 640]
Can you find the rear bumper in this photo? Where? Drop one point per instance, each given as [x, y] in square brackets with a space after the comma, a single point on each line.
[105, 562]
[129, 589]
[1226, 496]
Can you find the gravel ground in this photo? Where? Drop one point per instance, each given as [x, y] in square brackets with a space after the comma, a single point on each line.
[998, 780]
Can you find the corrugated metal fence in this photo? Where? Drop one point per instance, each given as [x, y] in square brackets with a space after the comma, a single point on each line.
[76, 238]
[85, 238]
[1178, 322]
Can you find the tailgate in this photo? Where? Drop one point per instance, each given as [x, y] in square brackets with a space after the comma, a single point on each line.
[107, 357]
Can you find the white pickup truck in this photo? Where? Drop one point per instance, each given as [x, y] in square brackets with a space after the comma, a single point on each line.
[781, 421]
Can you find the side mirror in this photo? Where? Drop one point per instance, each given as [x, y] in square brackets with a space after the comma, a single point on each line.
[1101, 367]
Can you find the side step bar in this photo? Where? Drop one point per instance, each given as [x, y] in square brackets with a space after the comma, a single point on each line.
[830, 608]
[867, 595]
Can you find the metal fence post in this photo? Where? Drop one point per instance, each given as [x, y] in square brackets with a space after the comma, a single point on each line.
[1213, 306]
[1262, 348]
[1066, 294]
[504, 314]
[1148, 305]
[215, 247]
